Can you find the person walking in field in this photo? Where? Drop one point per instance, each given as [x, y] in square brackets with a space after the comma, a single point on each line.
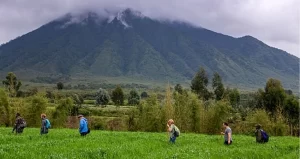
[227, 134]
[20, 124]
[261, 136]
[173, 131]
[83, 126]
[45, 124]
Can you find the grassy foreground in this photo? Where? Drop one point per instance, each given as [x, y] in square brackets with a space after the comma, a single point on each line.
[68, 144]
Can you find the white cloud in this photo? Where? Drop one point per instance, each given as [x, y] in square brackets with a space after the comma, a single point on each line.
[275, 22]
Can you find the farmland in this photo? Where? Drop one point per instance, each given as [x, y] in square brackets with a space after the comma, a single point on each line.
[67, 143]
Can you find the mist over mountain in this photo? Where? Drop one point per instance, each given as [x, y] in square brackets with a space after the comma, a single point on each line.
[129, 44]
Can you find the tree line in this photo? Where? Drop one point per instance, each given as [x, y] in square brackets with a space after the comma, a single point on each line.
[198, 109]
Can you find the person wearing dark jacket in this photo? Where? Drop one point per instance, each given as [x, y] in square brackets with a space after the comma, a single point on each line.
[258, 135]
[44, 129]
[19, 124]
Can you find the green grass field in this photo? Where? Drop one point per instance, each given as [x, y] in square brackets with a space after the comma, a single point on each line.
[68, 144]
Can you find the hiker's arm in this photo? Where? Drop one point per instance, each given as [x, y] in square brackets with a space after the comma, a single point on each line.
[169, 128]
[15, 126]
[43, 126]
[259, 135]
[81, 125]
[43, 123]
[229, 138]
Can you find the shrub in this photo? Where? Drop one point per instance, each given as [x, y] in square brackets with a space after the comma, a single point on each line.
[36, 105]
[150, 115]
[102, 97]
[115, 124]
[134, 98]
[5, 109]
[96, 123]
[217, 113]
[259, 117]
[144, 95]
[118, 96]
[131, 121]
[62, 111]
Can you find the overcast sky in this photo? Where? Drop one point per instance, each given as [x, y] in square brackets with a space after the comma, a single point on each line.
[275, 22]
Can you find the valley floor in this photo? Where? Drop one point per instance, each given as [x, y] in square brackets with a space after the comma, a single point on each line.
[67, 144]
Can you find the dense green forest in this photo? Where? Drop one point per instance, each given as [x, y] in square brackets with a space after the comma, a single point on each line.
[200, 109]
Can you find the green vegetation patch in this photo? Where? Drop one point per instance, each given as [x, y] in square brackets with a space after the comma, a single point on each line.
[67, 143]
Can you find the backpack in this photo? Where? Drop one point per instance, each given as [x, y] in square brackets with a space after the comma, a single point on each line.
[23, 123]
[48, 124]
[176, 132]
[265, 136]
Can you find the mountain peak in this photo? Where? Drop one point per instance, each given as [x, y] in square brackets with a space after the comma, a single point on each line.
[128, 14]
[98, 45]
[123, 16]
[133, 13]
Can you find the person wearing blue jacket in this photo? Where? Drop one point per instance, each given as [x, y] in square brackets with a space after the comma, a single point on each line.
[83, 126]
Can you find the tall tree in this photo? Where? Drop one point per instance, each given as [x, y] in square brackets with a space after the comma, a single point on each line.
[150, 115]
[233, 96]
[62, 111]
[218, 86]
[199, 84]
[273, 96]
[5, 109]
[37, 106]
[182, 111]
[291, 112]
[102, 97]
[118, 96]
[134, 98]
[168, 106]
[78, 101]
[144, 95]
[178, 88]
[12, 83]
[60, 86]
[194, 107]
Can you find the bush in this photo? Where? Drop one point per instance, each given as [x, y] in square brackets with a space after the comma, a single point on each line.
[115, 124]
[96, 123]
[258, 117]
[150, 115]
[134, 98]
[89, 102]
[84, 112]
[5, 109]
[36, 105]
[144, 95]
[216, 114]
[62, 112]
[102, 97]
[118, 96]
[131, 121]
[60, 86]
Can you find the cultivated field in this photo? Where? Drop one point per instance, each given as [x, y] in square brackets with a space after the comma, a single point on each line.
[67, 144]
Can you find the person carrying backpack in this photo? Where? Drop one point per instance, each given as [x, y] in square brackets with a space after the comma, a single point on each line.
[173, 131]
[20, 124]
[83, 126]
[45, 124]
[261, 135]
